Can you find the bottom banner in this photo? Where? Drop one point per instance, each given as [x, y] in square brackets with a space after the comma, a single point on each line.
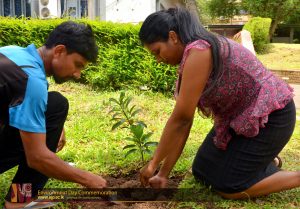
[115, 194]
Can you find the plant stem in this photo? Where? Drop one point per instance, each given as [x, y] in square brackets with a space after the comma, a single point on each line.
[142, 154]
[124, 112]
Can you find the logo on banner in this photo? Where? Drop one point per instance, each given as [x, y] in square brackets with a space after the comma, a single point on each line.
[21, 192]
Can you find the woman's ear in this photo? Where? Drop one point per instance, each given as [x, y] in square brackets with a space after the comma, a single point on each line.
[173, 36]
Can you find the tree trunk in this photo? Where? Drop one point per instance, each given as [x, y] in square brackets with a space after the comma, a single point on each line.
[278, 16]
[191, 5]
[273, 27]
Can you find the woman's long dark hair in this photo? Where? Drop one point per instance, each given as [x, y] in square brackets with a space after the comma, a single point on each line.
[156, 27]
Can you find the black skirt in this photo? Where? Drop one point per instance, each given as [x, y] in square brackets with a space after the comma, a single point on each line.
[246, 161]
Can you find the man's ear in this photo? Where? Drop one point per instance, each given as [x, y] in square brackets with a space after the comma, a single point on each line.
[59, 49]
[173, 36]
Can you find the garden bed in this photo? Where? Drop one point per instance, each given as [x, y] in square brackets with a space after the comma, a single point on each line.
[128, 181]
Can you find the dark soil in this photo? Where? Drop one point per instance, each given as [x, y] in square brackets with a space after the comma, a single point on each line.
[132, 181]
[129, 181]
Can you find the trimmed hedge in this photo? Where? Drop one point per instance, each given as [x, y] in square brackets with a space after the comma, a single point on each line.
[122, 61]
[259, 28]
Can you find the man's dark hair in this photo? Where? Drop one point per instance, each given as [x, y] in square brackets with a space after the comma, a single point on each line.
[77, 37]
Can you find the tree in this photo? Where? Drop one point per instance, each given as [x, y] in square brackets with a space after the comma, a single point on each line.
[223, 8]
[199, 8]
[277, 10]
[203, 11]
[294, 18]
[191, 5]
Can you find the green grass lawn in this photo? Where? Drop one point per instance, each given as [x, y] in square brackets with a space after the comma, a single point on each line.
[281, 57]
[91, 145]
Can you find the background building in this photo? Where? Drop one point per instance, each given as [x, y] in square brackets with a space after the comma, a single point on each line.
[15, 8]
[108, 10]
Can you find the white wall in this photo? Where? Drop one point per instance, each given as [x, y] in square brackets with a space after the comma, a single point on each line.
[133, 11]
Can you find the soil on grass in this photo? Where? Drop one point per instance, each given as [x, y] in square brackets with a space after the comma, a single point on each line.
[130, 181]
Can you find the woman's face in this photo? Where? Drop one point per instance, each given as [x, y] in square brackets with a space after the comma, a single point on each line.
[169, 52]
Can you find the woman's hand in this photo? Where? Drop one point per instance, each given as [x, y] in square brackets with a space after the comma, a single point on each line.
[146, 173]
[158, 182]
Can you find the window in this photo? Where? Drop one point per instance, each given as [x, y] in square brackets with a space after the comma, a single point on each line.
[18, 8]
[1, 8]
[70, 8]
[84, 8]
[27, 9]
[15, 8]
[62, 6]
[6, 7]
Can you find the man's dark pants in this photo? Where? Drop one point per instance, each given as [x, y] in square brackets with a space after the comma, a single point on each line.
[12, 151]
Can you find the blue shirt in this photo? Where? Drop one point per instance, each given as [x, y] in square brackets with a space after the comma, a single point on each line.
[26, 86]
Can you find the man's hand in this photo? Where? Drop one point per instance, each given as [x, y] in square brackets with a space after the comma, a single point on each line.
[62, 141]
[94, 181]
[40, 158]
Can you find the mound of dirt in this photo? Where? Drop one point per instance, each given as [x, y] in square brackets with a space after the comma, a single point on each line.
[123, 182]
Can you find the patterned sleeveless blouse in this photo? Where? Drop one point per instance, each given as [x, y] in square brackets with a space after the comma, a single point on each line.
[245, 94]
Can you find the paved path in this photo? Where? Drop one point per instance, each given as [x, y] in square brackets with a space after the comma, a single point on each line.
[297, 94]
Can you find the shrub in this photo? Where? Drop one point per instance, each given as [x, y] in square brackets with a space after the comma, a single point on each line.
[122, 61]
[259, 28]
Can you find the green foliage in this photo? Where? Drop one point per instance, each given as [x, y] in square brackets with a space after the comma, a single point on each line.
[24, 31]
[122, 62]
[294, 18]
[223, 8]
[123, 113]
[259, 29]
[204, 12]
[124, 116]
[139, 141]
[279, 9]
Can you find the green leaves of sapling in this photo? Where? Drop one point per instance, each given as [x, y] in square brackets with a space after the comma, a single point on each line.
[124, 116]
